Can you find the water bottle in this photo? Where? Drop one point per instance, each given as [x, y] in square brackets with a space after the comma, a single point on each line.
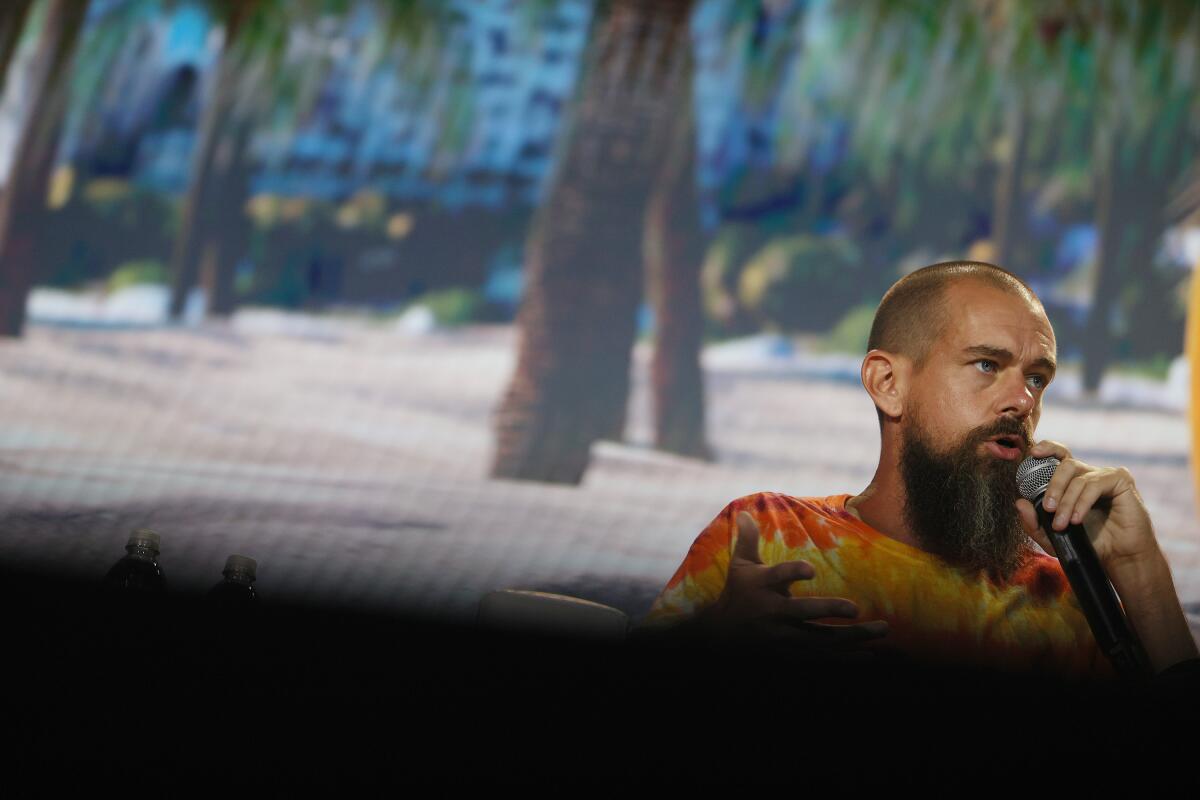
[131, 615]
[236, 592]
[231, 631]
[138, 572]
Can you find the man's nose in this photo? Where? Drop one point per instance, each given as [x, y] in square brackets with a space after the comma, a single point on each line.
[1018, 398]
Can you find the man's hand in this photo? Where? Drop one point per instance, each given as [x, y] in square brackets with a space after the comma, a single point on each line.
[1105, 501]
[756, 601]
[1117, 522]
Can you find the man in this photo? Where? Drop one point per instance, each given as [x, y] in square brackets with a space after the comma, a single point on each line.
[934, 559]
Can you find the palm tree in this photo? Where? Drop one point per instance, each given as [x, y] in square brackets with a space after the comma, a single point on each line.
[214, 229]
[24, 199]
[1065, 89]
[12, 23]
[674, 249]
[583, 270]
[763, 35]
[205, 191]
[1147, 135]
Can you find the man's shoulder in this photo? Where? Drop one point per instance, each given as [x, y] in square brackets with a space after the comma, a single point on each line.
[765, 502]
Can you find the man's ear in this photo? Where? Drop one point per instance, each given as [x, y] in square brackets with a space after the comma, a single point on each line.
[885, 377]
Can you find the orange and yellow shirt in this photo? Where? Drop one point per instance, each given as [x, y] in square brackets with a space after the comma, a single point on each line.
[1032, 622]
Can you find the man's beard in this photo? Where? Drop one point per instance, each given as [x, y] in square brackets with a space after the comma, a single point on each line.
[962, 506]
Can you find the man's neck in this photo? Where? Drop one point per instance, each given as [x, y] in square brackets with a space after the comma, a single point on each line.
[881, 506]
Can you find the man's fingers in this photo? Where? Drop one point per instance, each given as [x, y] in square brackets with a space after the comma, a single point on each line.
[1069, 498]
[1046, 448]
[1028, 516]
[1029, 522]
[805, 608]
[1090, 498]
[843, 634]
[823, 634]
[783, 575]
[1058, 483]
[746, 548]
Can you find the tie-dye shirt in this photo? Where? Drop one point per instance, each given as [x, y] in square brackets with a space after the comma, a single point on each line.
[934, 611]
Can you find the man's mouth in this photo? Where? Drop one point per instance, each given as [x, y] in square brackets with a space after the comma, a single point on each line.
[1007, 447]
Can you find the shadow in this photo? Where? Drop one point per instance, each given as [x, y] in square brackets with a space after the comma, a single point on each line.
[178, 680]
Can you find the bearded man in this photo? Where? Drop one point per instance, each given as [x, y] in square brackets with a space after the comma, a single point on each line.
[935, 560]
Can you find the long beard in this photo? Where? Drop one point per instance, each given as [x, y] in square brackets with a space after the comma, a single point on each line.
[961, 506]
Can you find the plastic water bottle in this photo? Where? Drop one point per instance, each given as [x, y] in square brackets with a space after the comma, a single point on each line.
[236, 591]
[138, 572]
[131, 615]
[232, 628]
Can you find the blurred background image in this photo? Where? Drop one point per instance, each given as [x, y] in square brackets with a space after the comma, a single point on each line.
[413, 300]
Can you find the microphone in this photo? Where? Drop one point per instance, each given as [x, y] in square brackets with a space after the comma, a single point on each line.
[1092, 588]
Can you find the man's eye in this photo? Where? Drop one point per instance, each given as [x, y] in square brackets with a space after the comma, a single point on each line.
[1038, 381]
[987, 361]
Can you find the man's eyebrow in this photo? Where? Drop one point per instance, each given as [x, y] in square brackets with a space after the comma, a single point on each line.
[1000, 352]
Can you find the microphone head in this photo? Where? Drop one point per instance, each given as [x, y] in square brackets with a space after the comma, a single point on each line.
[1033, 476]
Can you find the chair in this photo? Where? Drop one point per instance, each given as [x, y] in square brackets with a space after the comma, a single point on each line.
[543, 612]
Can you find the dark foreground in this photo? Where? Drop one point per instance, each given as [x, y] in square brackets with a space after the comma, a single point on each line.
[291, 695]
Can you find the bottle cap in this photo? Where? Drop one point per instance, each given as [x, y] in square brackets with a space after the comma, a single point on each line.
[240, 565]
[144, 537]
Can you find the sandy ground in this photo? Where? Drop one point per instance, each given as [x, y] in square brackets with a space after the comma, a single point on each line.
[350, 460]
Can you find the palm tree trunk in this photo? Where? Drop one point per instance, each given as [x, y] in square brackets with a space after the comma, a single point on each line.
[1006, 210]
[1130, 221]
[674, 249]
[24, 201]
[226, 236]
[189, 245]
[13, 14]
[583, 274]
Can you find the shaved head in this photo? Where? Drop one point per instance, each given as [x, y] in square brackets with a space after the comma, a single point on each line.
[913, 314]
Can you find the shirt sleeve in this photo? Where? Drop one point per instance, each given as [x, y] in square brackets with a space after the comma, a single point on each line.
[700, 579]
